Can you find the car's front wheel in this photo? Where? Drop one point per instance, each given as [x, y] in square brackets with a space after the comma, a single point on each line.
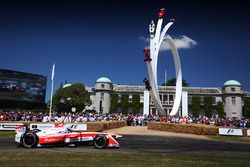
[100, 141]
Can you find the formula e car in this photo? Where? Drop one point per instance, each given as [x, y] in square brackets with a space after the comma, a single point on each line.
[62, 135]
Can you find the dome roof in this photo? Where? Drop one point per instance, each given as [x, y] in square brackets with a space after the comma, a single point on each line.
[103, 80]
[232, 83]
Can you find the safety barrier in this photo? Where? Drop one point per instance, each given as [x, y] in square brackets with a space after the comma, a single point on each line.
[197, 129]
[9, 125]
[90, 126]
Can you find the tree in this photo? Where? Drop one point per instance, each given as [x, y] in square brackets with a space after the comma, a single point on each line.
[113, 102]
[136, 104]
[246, 109]
[220, 110]
[124, 103]
[208, 106]
[172, 82]
[73, 96]
[196, 106]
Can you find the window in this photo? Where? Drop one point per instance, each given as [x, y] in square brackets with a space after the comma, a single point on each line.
[165, 98]
[214, 100]
[202, 100]
[102, 96]
[171, 98]
[100, 107]
[151, 100]
[130, 97]
[234, 113]
[102, 85]
[153, 111]
[119, 98]
[161, 98]
[189, 99]
[233, 89]
[141, 98]
[233, 100]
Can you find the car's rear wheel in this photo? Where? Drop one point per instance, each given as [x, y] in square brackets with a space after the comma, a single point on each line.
[29, 140]
[100, 141]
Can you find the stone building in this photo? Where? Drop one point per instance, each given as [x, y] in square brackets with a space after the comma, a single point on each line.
[231, 94]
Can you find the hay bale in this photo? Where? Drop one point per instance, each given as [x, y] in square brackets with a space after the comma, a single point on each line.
[184, 128]
[101, 126]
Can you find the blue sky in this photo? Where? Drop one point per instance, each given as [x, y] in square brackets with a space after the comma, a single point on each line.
[89, 39]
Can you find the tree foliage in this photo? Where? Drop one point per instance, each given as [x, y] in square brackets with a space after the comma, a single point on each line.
[136, 104]
[72, 96]
[196, 106]
[124, 103]
[220, 109]
[208, 106]
[113, 102]
[172, 82]
[246, 109]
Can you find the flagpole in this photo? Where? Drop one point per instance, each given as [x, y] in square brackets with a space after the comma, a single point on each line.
[165, 79]
[51, 91]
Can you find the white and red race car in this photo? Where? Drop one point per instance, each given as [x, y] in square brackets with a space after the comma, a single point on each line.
[61, 135]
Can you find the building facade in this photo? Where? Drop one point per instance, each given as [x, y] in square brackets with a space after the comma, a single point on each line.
[231, 95]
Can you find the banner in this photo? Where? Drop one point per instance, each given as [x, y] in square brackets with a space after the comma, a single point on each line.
[248, 132]
[82, 127]
[41, 126]
[9, 126]
[230, 132]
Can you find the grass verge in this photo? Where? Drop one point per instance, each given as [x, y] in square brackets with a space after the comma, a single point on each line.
[55, 159]
[230, 138]
[7, 134]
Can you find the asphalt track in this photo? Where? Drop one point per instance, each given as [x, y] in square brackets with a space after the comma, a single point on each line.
[147, 144]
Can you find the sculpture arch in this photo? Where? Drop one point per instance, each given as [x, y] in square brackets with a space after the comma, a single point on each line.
[151, 58]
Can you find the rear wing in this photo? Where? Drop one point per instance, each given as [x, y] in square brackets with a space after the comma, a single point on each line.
[21, 129]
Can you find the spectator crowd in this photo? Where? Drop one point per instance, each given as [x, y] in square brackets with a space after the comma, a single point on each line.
[132, 120]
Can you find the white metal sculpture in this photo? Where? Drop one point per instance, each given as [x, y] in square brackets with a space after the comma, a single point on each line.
[151, 58]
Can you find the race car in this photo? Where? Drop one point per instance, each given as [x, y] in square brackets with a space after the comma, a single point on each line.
[63, 135]
[161, 13]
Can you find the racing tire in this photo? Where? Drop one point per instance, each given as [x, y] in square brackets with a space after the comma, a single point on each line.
[29, 140]
[100, 141]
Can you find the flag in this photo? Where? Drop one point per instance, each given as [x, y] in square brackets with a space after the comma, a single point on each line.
[53, 72]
